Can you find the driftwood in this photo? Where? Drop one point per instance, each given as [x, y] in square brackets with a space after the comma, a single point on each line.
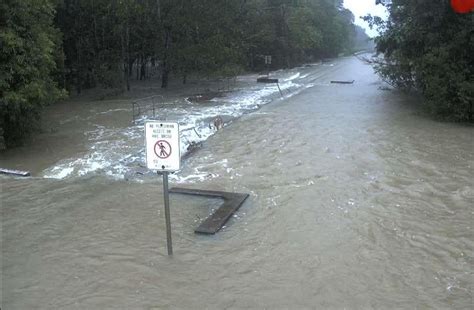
[13, 172]
[343, 82]
[232, 202]
[191, 149]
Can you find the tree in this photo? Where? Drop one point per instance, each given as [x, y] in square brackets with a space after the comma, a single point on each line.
[29, 45]
[89, 43]
[429, 48]
[104, 39]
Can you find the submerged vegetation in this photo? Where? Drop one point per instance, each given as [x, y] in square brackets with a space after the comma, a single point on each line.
[50, 46]
[430, 48]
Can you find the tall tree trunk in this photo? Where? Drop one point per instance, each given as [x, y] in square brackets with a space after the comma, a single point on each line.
[127, 37]
[158, 9]
[125, 57]
[138, 67]
[165, 75]
[79, 72]
[143, 69]
[130, 67]
[166, 65]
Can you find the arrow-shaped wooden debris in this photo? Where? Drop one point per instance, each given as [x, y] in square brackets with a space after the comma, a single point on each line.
[232, 202]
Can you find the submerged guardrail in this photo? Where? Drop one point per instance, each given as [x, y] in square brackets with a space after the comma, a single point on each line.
[144, 105]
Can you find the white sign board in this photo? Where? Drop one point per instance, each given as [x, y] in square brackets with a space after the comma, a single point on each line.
[162, 146]
[268, 60]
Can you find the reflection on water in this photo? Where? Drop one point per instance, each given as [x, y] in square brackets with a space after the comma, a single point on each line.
[358, 200]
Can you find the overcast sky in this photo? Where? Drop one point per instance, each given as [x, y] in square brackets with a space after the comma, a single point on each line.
[364, 7]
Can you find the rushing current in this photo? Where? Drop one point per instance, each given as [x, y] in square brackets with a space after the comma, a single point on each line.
[358, 200]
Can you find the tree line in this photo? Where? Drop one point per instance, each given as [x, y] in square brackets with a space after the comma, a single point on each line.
[428, 47]
[50, 48]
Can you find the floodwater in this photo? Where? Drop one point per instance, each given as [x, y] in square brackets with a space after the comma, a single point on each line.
[357, 200]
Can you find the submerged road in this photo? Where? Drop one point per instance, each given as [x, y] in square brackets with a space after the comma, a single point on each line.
[358, 200]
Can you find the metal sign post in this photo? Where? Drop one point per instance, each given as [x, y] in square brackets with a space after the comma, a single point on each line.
[163, 155]
[166, 196]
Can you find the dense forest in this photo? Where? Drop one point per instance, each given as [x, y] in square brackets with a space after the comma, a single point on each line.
[51, 48]
[428, 47]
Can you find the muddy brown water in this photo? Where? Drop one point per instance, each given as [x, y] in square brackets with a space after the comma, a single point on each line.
[358, 201]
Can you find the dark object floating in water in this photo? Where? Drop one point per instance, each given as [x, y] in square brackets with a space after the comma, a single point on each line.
[18, 173]
[192, 148]
[207, 96]
[232, 202]
[343, 82]
[266, 80]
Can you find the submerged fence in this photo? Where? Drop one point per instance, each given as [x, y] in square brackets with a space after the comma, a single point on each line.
[146, 105]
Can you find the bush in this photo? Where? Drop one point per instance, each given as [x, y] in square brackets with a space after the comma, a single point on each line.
[28, 44]
[428, 47]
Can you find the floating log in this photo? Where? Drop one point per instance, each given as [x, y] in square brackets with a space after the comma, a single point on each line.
[343, 82]
[192, 148]
[232, 202]
[206, 96]
[18, 173]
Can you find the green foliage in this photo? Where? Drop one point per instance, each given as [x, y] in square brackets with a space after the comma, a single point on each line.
[102, 37]
[89, 43]
[429, 48]
[27, 62]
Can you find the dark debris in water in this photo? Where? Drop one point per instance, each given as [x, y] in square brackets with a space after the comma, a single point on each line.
[192, 148]
[198, 98]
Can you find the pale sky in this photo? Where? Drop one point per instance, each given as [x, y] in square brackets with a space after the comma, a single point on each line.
[364, 7]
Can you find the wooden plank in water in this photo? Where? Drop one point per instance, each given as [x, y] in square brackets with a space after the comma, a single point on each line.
[232, 202]
[343, 82]
[18, 173]
[266, 80]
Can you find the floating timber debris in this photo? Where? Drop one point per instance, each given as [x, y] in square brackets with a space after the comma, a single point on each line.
[17, 173]
[232, 202]
[267, 80]
[207, 96]
[192, 148]
[343, 82]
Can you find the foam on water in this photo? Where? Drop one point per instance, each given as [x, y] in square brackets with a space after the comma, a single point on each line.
[117, 152]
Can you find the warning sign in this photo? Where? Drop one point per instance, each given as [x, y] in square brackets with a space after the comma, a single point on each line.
[162, 146]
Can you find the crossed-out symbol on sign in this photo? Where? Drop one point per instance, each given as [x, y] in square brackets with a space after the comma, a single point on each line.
[162, 149]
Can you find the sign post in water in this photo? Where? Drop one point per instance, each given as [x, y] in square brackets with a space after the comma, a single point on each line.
[163, 155]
